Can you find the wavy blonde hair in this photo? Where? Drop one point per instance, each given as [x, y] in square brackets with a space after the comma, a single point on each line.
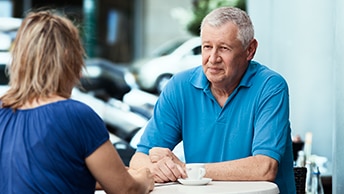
[47, 59]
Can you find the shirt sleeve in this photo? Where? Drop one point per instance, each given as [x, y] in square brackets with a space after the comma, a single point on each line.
[92, 130]
[163, 129]
[272, 126]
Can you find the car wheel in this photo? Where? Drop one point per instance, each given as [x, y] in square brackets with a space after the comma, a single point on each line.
[161, 83]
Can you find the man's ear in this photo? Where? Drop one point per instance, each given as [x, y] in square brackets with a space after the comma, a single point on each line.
[251, 49]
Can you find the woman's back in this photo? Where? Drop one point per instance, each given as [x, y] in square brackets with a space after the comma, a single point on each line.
[43, 150]
[49, 143]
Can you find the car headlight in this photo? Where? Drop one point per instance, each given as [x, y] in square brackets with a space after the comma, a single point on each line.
[130, 80]
[92, 71]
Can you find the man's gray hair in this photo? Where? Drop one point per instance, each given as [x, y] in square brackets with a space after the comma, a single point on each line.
[240, 18]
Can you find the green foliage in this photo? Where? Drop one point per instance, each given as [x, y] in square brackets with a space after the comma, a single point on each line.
[202, 7]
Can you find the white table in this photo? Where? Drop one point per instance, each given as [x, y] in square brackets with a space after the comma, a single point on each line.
[223, 187]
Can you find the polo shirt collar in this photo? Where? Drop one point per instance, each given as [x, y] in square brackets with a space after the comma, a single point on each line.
[199, 80]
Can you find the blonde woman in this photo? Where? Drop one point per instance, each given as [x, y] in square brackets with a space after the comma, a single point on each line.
[50, 143]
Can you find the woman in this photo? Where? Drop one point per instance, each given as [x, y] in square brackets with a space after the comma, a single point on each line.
[50, 143]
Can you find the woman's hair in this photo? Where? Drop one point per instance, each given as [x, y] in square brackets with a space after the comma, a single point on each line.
[223, 15]
[47, 59]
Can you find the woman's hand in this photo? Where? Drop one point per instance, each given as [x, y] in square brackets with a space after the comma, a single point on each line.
[143, 176]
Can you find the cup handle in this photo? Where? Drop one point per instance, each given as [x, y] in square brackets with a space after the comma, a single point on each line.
[201, 173]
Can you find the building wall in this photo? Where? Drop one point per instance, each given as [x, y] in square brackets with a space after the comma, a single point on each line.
[303, 41]
[338, 135]
[296, 39]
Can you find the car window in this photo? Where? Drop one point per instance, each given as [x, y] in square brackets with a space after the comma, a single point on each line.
[197, 50]
[167, 48]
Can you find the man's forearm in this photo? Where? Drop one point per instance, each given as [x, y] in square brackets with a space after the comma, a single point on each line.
[251, 168]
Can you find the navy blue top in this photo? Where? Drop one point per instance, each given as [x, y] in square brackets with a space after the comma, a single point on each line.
[254, 120]
[43, 149]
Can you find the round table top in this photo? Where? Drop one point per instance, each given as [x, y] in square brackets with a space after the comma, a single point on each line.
[223, 187]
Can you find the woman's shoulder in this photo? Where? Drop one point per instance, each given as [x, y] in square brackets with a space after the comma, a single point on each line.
[75, 105]
[69, 108]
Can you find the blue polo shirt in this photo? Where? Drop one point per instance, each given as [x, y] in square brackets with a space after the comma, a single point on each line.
[254, 120]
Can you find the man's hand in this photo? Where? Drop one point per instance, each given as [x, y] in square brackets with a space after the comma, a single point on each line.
[166, 166]
[157, 153]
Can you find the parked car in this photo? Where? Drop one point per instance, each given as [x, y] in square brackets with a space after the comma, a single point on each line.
[114, 85]
[109, 80]
[9, 23]
[8, 31]
[152, 73]
[117, 115]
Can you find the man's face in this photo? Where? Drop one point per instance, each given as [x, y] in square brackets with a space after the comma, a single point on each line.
[224, 58]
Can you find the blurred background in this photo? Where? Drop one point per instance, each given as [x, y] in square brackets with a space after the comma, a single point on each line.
[140, 44]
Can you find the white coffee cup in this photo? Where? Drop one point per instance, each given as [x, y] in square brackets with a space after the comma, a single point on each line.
[195, 171]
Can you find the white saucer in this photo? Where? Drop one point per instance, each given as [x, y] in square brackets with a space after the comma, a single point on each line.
[203, 181]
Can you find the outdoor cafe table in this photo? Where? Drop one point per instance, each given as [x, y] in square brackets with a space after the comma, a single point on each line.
[223, 187]
[214, 187]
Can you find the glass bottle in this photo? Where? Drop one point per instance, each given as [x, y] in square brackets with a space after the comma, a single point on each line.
[317, 187]
[309, 176]
[301, 159]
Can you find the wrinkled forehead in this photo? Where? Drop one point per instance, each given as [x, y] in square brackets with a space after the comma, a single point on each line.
[228, 31]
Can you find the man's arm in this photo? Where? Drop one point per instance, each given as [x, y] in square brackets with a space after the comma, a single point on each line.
[255, 168]
[165, 169]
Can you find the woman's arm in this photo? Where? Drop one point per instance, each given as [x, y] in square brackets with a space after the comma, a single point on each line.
[111, 174]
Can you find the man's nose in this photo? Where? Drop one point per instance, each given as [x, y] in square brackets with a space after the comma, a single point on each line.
[214, 57]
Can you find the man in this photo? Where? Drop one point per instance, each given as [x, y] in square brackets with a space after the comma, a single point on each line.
[231, 114]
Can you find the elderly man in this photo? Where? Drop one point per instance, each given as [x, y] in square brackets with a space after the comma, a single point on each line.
[231, 113]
